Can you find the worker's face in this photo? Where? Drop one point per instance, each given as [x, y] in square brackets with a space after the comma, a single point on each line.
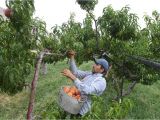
[97, 68]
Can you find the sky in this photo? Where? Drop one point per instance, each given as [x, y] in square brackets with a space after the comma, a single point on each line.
[58, 11]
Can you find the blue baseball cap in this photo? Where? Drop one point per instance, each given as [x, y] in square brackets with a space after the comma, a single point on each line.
[102, 62]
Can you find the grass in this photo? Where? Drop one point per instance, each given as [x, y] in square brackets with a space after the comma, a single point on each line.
[146, 102]
[12, 107]
[145, 98]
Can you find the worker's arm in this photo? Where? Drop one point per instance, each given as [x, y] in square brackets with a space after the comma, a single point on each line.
[78, 73]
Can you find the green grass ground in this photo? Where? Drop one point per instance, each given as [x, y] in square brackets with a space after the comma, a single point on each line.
[146, 98]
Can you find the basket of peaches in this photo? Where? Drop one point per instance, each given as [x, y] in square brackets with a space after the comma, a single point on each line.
[70, 99]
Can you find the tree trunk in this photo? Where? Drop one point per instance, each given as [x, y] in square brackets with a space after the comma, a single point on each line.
[33, 86]
[127, 92]
[97, 43]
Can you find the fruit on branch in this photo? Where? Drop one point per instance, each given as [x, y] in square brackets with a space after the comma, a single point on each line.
[8, 12]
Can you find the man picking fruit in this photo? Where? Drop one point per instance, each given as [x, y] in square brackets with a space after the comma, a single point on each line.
[88, 83]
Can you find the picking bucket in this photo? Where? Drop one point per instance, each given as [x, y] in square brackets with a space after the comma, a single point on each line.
[70, 104]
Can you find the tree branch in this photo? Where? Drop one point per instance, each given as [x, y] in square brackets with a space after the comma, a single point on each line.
[149, 63]
[130, 88]
[95, 22]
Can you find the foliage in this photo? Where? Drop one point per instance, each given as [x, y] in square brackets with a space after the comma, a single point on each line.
[119, 110]
[15, 44]
[153, 27]
[121, 37]
[119, 30]
[87, 5]
[115, 110]
[120, 25]
[45, 40]
[54, 111]
[76, 36]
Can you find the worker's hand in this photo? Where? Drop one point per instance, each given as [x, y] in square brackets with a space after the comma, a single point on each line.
[68, 73]
[70, 54]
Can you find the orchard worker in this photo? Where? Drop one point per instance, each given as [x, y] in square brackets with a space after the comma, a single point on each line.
[88, 83]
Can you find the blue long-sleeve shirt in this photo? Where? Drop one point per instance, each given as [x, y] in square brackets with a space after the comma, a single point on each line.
[90, 84]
